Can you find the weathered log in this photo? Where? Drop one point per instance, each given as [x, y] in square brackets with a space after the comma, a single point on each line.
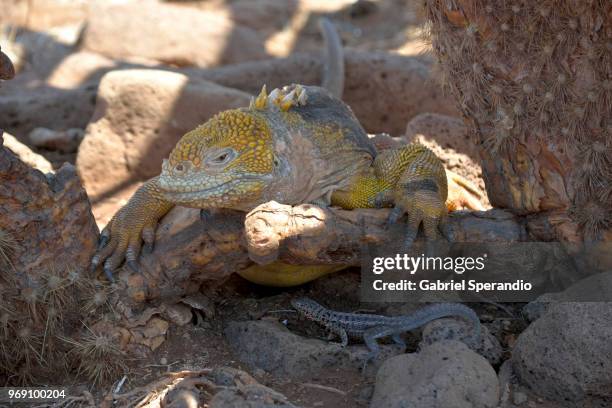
[190, 250]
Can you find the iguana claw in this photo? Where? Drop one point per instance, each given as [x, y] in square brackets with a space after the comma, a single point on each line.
[95, 261]
[104, 238]
[133, 265]
[394, 215]
[205, 215]
[147, 248]
[108, 272]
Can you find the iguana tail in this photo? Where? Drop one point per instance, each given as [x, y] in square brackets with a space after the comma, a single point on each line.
[333, 69]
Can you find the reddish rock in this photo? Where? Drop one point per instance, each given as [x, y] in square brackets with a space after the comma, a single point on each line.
[376, 84]
[63, 141]
[139, 117]
[81, 67]
[170, 34]
[24, 109]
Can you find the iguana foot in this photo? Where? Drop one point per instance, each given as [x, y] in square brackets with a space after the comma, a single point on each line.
[414, 183]
[370, 337]
[424, 207]
[122, 238]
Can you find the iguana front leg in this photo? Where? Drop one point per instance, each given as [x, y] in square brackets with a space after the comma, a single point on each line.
[417, 186]
[132, 224]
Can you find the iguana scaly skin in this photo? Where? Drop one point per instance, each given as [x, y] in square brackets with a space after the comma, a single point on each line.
[295, 145]
[299, 144]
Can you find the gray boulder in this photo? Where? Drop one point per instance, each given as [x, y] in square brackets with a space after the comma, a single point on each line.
[567, 354]
[446, 374]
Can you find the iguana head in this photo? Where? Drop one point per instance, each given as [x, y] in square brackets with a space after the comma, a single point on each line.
[226, 162]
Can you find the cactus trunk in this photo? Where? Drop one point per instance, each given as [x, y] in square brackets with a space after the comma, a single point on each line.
[533, 80]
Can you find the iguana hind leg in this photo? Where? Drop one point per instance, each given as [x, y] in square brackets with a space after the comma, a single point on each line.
[418, 188]
[412, 180]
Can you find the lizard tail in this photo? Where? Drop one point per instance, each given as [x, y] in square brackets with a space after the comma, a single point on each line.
[333, 69]
[440, 310]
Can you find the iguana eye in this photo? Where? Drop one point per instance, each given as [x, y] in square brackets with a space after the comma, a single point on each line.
[179, 168]
[221, 158]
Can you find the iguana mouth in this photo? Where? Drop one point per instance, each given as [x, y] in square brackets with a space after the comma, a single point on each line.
[181, 193]
[217, 191]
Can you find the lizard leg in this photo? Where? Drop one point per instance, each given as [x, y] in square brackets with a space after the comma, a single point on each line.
[397, 339]
[369, 338]
[419, 188]
[135, 222]
[343, 336]
[338, 331]
[323, 201]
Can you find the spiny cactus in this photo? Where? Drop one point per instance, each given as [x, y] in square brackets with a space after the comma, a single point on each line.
[40, 316]
[99, 299]
[533, 79]
[97, 355]
[8, 246]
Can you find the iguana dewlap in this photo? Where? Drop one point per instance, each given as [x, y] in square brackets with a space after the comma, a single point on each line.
[295, 145]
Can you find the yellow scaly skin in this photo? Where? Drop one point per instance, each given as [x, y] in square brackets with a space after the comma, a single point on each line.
[294, 146]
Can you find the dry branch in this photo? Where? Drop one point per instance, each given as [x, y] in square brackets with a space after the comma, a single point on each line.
[190, 251]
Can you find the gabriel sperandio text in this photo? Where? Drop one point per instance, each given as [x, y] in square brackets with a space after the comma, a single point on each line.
[411, 264]
[461, 285]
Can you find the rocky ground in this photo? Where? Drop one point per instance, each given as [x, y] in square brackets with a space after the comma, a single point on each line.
[109, 87]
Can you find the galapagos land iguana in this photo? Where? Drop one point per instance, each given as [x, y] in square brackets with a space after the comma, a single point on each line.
[295, 145]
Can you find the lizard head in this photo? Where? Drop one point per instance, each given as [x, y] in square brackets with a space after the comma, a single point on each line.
[225, 163]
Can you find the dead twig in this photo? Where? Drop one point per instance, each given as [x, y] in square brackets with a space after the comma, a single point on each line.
[324, 388]
[145, 395]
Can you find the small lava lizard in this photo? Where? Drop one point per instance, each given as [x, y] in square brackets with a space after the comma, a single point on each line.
[370, 327]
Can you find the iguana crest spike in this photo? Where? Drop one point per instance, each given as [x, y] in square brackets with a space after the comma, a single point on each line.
[274, 96]
[288, 101]
[287, 97]
[261, 101]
